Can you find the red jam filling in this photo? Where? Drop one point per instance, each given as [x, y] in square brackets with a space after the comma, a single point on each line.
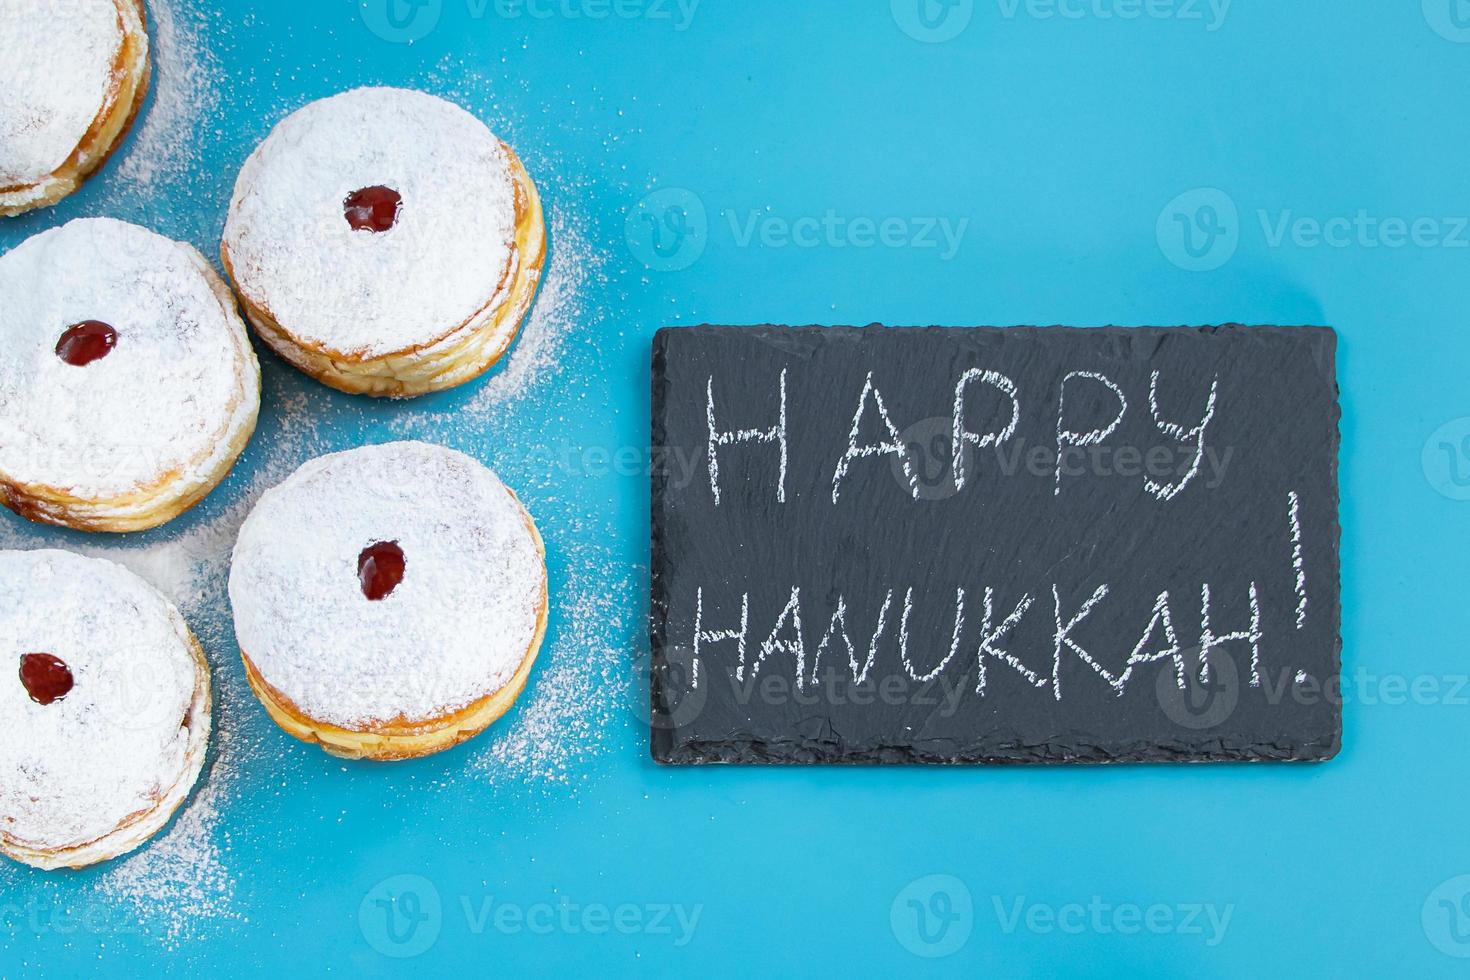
[380, 569]
[372, 209]
[46, 679]
[85, 342]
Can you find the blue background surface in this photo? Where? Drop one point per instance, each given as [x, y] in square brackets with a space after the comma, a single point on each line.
[1077, 141]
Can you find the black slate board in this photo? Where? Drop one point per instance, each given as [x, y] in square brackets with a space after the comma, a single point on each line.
[1259, 511]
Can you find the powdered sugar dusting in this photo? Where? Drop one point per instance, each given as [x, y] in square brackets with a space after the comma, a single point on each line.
[567, 715]
[573, 269]
[453, 631]
[292, 251]
[172, 396]
[191, 880]
[580, 682]
[181, 883]
[186, 90]
[113, 747]
[55, 75]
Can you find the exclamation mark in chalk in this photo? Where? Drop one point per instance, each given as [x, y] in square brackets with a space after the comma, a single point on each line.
[1294, 505]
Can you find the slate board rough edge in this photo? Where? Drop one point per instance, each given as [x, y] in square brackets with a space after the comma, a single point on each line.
[666, 751]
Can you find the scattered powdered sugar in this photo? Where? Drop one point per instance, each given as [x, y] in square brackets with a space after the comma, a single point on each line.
[189, 567]
[573, 269]
[183, 885]
[583, 675]
[180, 883]
[187, 78]
[581, 678]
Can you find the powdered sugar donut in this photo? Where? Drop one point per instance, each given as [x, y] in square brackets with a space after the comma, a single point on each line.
[105, 707]
[128, 387]
[389, 601]
[72, 78]
[385, 242]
